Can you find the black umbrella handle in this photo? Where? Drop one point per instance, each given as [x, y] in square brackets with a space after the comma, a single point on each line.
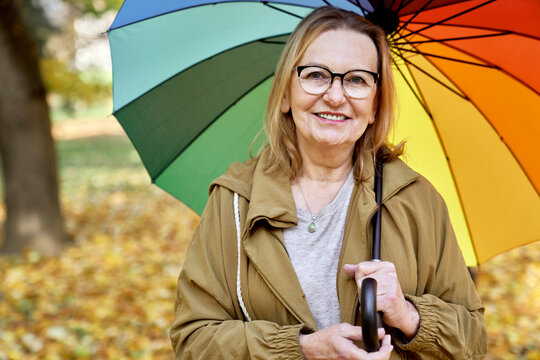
[376, 252]
[370, 319]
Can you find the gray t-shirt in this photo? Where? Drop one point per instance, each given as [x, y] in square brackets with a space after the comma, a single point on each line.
[315, 256]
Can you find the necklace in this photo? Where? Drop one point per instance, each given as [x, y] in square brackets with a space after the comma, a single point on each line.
[313, 226]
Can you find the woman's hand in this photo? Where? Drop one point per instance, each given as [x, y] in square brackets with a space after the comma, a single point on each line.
[336, 342]
[397, 311]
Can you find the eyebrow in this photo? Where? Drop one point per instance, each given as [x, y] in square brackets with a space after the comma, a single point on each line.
[329, 69]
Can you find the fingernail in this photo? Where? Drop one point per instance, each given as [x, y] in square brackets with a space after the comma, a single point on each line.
[349, 267]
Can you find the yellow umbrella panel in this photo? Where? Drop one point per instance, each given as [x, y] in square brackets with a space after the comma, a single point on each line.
[493, 204]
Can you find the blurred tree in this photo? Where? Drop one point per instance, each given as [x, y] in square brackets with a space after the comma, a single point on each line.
[34, 217]
[69, 87]
[96, 7]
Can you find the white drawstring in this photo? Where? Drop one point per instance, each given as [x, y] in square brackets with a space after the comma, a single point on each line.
[238, 285]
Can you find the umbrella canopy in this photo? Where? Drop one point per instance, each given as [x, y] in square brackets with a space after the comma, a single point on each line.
[191, 80]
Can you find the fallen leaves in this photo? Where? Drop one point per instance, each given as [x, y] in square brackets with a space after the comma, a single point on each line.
[510, 288]
[109, 297]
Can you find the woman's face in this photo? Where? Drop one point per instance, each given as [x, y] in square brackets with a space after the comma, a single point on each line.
[332, 119]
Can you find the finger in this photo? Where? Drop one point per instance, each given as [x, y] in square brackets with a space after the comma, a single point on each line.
[386, 346]
[386, 340]
[384, 352]
[355, 333]
[369, 267]
[351, 332]
[350, 269]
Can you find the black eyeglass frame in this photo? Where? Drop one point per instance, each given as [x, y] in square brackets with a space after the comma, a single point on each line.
[333, 75]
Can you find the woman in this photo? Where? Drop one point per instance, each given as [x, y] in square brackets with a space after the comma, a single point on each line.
[277, 275]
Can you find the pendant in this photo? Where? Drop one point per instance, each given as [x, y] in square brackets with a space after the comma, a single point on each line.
[312, 227]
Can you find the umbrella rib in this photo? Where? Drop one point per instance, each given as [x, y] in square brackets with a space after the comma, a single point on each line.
[490, 124]
[480, 28]
[415, 15]
[399, 7]
[396, 33]
[264, 41]
[418, 96]
[448, 18]
[494, 66]
[432, 76]
[150, 17]
[431, 8]
[357, 3]
[404, 4]
[282, 10]
[159, 15]
[453, 39]
[448, 58]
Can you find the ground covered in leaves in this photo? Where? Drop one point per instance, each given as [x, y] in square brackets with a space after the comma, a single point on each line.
[110, 295]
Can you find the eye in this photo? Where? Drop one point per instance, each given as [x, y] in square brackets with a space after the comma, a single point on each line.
[316, 75]
[356, 80]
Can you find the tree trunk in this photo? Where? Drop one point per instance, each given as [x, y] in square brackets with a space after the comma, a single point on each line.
[33, 216]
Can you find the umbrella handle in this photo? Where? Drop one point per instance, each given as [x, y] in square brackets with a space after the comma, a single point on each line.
[370, 319]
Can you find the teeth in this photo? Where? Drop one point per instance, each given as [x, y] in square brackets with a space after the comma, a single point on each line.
[332, 117]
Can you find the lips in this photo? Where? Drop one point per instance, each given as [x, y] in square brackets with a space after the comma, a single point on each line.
[332, 117]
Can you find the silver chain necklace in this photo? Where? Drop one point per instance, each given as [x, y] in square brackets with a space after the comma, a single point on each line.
[312, 227]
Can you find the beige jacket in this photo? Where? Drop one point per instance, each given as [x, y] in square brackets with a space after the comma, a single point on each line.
[417, 238]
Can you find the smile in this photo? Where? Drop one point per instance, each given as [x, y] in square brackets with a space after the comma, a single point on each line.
[332, 117]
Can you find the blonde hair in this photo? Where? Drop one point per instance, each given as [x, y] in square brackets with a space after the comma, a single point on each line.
[279, 127]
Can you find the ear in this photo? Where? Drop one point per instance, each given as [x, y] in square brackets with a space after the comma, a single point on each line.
[374, 109]
[372, 118]
[285, 106]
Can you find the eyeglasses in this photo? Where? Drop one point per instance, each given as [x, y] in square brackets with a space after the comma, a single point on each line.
[316, 80]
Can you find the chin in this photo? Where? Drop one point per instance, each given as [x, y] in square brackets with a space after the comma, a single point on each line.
[334, 141]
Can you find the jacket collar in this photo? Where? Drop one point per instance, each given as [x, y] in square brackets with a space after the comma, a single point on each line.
[270, 197]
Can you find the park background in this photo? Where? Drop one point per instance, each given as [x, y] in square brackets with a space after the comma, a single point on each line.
[109, 293]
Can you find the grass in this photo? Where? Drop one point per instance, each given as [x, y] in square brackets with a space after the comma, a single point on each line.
[60, 114]
[100, 164]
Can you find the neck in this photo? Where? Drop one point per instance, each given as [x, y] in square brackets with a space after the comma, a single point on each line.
[323, 174]
[326, 165]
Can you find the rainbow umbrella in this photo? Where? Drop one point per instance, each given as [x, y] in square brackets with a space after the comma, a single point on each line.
[191, 79]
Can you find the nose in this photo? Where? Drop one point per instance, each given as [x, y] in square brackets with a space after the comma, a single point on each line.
[335, 95]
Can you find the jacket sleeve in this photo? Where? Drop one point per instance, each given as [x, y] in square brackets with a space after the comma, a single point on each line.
[452, 324]
[206, 324]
